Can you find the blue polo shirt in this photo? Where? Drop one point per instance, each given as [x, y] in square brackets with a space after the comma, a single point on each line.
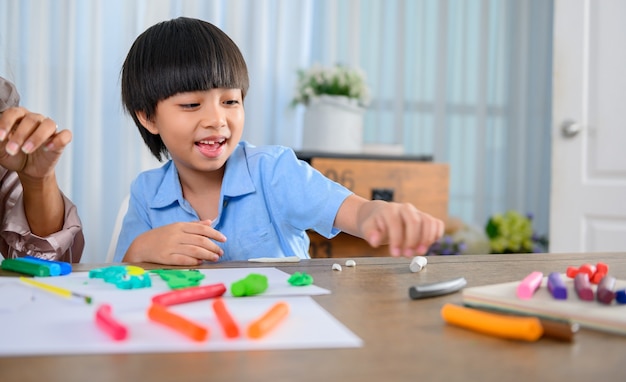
[269, 199]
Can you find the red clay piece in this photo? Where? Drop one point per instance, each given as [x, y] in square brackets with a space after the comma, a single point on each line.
[571, 272]
[597, 277]
[588, 269]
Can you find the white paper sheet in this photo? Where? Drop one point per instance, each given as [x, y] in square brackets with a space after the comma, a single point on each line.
[49, 324]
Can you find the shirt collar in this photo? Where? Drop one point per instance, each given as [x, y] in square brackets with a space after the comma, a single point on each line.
[237, 180]
[169, 190]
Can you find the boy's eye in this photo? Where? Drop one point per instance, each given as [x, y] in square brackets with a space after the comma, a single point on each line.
[232, 102]
[189, 105]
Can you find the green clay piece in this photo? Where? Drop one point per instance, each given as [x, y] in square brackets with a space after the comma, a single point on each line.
[25, 267]
[300, 279]
[179, 278]
[250, 285]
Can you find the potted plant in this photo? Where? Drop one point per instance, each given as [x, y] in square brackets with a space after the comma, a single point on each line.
[335, 99]
[512, 232]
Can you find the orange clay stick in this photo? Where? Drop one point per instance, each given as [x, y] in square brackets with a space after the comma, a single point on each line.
[225, 319]
[159, 313]
[268, 321]
[516, 328]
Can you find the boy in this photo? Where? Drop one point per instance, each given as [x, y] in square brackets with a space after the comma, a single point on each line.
[218, 198]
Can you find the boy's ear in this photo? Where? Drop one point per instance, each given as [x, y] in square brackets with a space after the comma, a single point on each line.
[147, 123]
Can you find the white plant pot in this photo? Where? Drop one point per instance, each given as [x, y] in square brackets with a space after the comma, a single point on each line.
[333, 124]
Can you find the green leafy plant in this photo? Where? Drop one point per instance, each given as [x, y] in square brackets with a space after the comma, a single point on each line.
[512, 232]
[337, 80]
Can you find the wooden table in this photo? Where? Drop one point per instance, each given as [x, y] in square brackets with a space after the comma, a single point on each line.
[404, 339]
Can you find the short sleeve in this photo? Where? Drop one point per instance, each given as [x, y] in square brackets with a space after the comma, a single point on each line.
[302, 196]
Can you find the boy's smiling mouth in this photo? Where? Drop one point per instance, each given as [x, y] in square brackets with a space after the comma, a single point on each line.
[211, 142]
[212, 147]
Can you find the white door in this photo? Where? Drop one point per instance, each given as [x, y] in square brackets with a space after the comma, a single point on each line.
[588, 196]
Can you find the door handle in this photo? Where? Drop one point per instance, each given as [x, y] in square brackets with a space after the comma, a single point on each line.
[570, 129]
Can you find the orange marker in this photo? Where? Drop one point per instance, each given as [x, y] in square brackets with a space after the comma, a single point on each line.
[268, 321]
[516, 328]
[159, 313]
[225, 319]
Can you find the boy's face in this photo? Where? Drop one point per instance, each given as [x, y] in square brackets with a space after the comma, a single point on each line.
[200, 129]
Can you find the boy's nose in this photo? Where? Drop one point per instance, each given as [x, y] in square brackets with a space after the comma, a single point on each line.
[213, 116]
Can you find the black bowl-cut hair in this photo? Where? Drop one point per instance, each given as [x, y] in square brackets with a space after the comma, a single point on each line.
[176, 56]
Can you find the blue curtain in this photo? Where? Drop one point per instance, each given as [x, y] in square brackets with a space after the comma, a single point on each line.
[465, 81]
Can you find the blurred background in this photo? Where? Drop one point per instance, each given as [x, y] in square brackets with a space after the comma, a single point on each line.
[466, 82]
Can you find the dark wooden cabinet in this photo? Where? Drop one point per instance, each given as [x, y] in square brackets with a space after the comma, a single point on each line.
[415, 180]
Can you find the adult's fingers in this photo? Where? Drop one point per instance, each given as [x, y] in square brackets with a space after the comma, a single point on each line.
[25, 131]
[58, 141]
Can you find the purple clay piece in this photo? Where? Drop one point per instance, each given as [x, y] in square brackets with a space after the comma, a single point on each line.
[556, 286]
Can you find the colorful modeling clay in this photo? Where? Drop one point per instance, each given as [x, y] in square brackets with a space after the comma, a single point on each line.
[620, 296]
[595, 273]
[571, 272]
[598, 276]
[180, 278]
[250, 285]
[268, 321]
[25, 267]
[606, 290]
[66, 268]
[516, 328]
[527, 288]
[159, 313]
[588, 269]
[418, 263]
[437, 288]
[231, 330]
[108, 324]
[556, 286]
[55, 269]
[300, 279]
[602, 267]
[123, 276]
[583, 287]
[181, 296]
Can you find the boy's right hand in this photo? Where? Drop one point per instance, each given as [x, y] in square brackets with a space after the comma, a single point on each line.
[187, 244]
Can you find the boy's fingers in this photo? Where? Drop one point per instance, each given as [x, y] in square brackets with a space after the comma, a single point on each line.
[180, 259]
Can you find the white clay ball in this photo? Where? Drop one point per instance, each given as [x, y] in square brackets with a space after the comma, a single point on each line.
[418, 263]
